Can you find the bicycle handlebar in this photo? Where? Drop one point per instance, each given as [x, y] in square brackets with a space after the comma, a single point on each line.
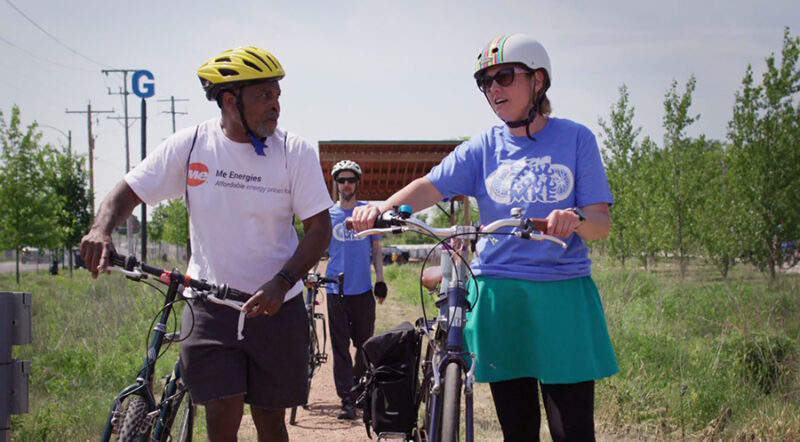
[392, 222]
[317, 280]
[136, 270]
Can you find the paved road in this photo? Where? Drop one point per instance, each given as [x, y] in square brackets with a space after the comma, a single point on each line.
[9, 266]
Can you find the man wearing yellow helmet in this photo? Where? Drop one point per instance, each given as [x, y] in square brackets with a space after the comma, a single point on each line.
[244, 179]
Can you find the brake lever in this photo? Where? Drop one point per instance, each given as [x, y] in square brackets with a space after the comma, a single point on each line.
[133, 275]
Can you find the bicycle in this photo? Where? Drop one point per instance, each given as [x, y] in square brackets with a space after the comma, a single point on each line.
[135, 413]
[316, 354]
[445, 368]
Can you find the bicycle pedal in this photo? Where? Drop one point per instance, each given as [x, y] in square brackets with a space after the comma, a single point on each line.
[319, 316]
[322, 358]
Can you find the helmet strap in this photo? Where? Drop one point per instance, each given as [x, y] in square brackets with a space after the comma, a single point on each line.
[534, 110]
[258, 143]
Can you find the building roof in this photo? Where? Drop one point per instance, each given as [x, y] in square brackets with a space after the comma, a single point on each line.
[387, 166]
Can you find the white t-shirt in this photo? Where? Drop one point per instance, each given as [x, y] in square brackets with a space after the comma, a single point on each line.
[241, 204]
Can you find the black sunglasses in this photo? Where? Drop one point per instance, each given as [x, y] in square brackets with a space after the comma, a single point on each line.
[503, 77]
[351, 180]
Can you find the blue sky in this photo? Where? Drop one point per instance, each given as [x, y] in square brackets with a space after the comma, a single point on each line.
[386, 70]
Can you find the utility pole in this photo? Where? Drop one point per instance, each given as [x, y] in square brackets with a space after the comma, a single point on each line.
[88, 113]
[124, 93]
[172, 111]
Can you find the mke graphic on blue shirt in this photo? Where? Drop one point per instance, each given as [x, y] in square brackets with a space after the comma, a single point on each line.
[348, 254]
[561, 169]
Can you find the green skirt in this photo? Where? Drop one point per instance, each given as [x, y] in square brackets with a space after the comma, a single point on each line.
[554, 331]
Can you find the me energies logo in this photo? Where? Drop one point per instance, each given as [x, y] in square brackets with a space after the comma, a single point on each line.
[198, 173]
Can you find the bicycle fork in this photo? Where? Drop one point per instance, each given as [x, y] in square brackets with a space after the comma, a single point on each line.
[451, 319]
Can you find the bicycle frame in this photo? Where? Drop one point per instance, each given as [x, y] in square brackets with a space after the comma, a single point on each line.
[144, 380]
[448, 342]
[447, 339]
[157, 416]
[316, 354]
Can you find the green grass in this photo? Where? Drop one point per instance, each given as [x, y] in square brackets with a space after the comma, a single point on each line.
[703, 356]
[89, 338]
[706, 357]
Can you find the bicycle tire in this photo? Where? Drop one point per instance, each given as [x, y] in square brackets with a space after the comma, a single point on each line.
[183, 424]
[313, 363]
[425, 407]
[451, 402]
[180, 422]
[134, 422]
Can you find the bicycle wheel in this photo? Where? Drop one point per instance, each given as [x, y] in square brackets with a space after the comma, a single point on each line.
[451, 402]
[180, 422]
[424, 405]
[313, 363]
[182, 429]
[134, 422]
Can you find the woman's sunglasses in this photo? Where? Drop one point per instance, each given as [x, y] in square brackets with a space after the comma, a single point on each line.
[503, 77]
[343, 180]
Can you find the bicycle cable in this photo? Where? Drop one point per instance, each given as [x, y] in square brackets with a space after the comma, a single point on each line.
[443, 243]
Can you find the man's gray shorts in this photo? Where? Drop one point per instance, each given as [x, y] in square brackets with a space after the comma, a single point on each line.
[268, 366]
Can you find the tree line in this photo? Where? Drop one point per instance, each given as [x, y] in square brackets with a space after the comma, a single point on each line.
[729, 201]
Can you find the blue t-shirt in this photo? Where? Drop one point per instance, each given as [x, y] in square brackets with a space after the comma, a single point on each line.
[349, 255]
[561, 169]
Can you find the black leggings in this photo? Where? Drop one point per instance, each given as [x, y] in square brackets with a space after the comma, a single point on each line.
[569, 407]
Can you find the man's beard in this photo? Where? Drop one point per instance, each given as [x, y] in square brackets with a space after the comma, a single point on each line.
[348, 196]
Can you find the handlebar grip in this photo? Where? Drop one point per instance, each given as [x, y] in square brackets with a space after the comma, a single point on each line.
[348, 222]
[539, 224]
[117, 259]
[340, 276]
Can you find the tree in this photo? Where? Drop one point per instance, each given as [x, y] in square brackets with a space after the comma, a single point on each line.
[681, 174]
[68, 177]
[619, 136]
[176, 224]
[716, 221]
[764, 135]
[29, 207]
[155, 227]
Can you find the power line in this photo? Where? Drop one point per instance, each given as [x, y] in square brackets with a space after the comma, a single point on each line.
[51, 35]
[42, 58]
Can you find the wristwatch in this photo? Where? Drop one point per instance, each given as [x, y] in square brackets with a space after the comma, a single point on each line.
[580, 213]
[285, 274]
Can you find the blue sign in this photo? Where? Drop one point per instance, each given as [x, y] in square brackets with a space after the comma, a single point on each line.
[143, 88]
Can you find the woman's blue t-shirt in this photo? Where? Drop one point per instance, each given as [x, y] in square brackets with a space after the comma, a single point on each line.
[561, 169]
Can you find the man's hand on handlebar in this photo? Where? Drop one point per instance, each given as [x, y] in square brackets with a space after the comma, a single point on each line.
[96, 251]
[268, 299]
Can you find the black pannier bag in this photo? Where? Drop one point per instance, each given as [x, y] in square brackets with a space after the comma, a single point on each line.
[388, 387]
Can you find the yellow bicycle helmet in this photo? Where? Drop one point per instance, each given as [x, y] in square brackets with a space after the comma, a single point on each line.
[237, 66]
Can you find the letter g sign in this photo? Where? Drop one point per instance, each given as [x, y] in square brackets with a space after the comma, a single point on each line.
[143, 88]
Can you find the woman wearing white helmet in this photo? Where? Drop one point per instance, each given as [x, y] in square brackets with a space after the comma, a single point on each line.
[538, 321]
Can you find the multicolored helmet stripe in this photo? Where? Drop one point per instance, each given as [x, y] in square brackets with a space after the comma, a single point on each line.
[492, 53]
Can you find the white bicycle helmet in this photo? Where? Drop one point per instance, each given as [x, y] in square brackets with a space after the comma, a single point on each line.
[514, 48]
[522, 49]
[346, 165]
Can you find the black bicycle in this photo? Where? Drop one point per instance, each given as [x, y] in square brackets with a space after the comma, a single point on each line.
[135, 414]
[446, 369]
[316, 353]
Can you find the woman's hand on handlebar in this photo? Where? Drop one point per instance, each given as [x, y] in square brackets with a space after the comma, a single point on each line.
[364, 217]
[268, 299]
[96, 251]
[562, 222]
